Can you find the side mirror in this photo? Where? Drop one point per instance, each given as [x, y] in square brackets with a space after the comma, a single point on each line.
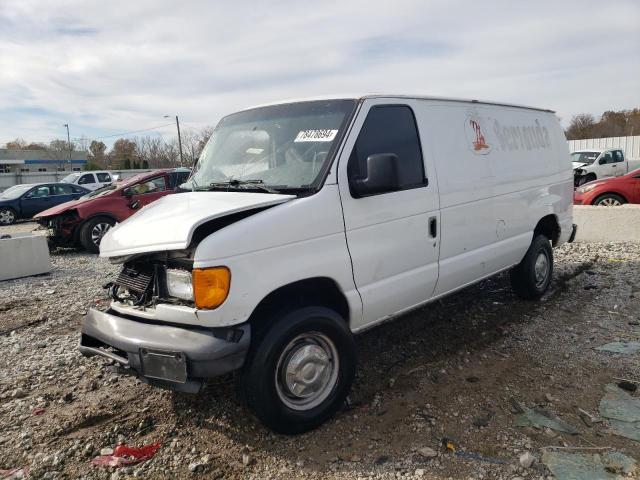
[127, 193]
[382, 175]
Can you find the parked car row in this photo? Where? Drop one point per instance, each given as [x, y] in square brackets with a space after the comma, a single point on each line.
[83, 222]
[25, 201]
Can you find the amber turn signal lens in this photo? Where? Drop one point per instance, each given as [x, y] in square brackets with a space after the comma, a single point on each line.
[210, 286]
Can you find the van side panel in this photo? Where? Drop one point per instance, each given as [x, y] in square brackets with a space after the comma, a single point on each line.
[500, 170]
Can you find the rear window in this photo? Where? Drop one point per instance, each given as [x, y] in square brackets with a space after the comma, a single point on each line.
[62, 189]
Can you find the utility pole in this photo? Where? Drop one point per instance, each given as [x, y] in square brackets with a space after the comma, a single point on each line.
[179, 139]
[69, 146]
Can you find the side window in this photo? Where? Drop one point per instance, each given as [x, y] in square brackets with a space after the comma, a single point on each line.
[606, 158]
[38, 192]
[77, 189]
[62, 189]
[389, 129]
[103, 177]
[150, 186]
[618, 156]
[86, 178]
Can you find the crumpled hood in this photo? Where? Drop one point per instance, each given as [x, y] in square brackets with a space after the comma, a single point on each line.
[169, 223]
[578, 164]
[63, 207]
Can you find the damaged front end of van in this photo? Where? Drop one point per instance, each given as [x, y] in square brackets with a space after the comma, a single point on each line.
[153, 328]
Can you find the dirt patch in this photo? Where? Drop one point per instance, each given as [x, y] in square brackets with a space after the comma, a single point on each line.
[449, 371]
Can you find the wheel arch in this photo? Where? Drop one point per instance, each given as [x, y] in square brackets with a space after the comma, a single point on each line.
[84, 221]
[549, 227]
[323, 291]
[600, 195]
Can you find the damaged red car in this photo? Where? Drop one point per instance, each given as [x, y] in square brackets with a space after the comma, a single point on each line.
[83, 222]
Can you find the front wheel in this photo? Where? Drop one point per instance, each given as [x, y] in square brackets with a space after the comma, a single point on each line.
[92, 232]
[299, 372]
[531, 278]
[609, 200]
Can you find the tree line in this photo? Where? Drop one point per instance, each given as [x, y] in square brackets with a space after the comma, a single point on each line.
[127, 153]
[611, 124]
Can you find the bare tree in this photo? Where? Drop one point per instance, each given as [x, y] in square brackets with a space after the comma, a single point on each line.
[581, 126]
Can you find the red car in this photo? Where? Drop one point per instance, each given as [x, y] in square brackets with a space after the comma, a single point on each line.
[83, 222]
[610, 192]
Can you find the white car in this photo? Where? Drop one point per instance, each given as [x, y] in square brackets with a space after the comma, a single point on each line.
[90, 180]
[307, 222]
[594, 164]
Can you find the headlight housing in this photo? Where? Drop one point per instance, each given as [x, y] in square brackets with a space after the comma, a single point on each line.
[586, 188]
[179, 284]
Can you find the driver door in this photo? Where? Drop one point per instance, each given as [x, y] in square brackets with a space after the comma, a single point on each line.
[392, 236]
[605, 164]
[147, 192]
[35, 201]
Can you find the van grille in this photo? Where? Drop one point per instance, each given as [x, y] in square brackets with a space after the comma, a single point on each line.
[135, 280]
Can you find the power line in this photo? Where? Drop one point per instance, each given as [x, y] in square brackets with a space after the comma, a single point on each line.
[107, 136]
[125, 133]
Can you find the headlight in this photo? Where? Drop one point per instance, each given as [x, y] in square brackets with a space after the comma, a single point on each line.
[211, 286]
[179, 284]
[586, 188]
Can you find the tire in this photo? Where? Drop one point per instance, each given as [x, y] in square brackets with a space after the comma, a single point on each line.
[531, 278]
[7, 216]
[609, 200]
[92, 231]
[296, 338]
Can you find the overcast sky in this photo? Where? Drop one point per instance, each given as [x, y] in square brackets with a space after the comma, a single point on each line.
[107, 67]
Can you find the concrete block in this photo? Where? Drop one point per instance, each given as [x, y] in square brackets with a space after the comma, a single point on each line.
[22, 255]
[607, 224]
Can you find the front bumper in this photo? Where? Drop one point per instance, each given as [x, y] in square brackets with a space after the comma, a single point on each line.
[207, 353]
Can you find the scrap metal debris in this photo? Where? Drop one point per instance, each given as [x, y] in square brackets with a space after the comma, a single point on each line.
[537, 417]
[588, 466]
[125, 455]
[626, 348]
[623, 412]
[14, 473]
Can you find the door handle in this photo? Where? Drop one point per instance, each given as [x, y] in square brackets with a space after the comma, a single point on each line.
[433, 227]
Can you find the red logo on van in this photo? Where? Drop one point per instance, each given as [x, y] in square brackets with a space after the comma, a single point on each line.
[479, 143]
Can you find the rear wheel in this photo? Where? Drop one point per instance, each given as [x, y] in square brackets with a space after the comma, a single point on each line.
[530, 279]
[7, 216]
[609, 200]
[92, 232]
[299, 371]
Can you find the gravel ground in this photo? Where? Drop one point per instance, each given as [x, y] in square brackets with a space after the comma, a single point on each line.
[448, 371]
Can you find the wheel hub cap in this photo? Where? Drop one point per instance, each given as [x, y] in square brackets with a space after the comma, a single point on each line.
[610, 202]
[307, 371]
[98, 232]
[541, 268]
[6, 216]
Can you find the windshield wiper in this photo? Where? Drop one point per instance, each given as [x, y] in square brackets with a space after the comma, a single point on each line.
[243, 185]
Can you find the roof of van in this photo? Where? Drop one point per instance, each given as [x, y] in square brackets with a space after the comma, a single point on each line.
[391, 95]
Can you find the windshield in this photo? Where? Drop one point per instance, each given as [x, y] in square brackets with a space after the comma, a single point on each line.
[71, 178]
[15, 191]
[100, 191]
[278, 147]
[584, 157]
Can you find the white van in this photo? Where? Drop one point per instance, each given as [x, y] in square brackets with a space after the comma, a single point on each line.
[310, 221]
[90, 180]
